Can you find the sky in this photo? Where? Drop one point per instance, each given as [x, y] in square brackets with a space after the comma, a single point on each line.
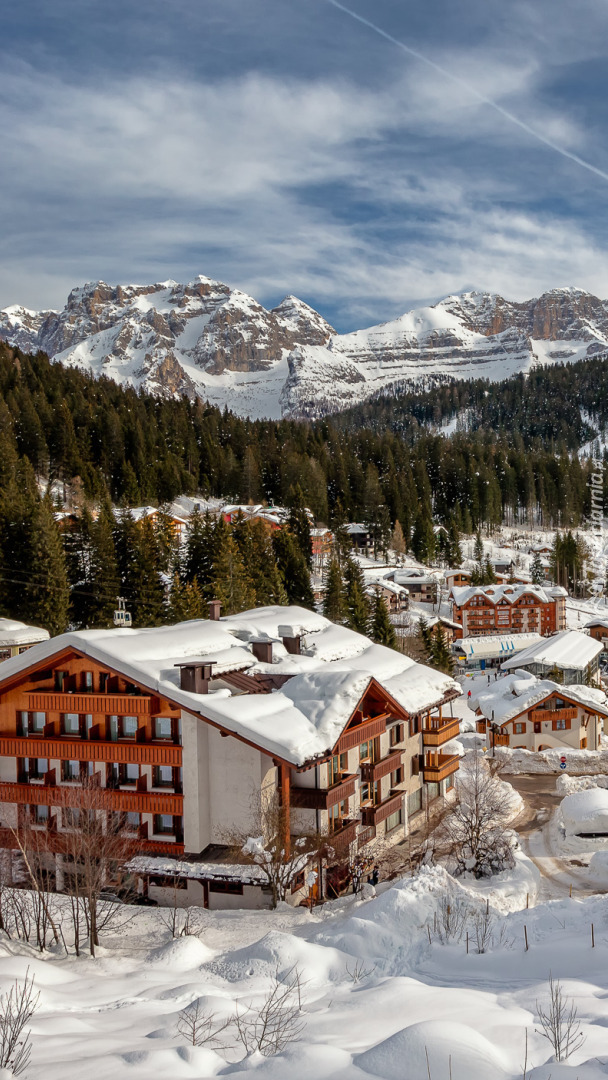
[285, 146]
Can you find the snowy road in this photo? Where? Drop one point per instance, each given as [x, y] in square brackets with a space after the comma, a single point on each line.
[536, 830]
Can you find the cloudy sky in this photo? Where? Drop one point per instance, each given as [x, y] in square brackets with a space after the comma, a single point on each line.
[284, 146]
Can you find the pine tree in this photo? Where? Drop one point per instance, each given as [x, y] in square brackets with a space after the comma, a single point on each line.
[185, 601]
[439, 652]
[299, 524]
[488, 574]
[398, 539]
[204, 536]
[293, 569]
[231, 584]
[537, 571]
[334, 605]
[256, 550]
[424, 635]
[382, 629]
[46, 597]
[423, 538]
[357, 603]
[478, 550]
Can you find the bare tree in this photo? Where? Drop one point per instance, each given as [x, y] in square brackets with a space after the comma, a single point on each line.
[200, 1026]
[483, 928]
[475, 826]
[93, 847]
[278, 856]
[180, 921]
[559, 1022]
[16, 1010]
[277, 1022]
[35, 912]
[451, 918]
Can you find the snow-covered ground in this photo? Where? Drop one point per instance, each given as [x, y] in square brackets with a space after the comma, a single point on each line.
[379, 990]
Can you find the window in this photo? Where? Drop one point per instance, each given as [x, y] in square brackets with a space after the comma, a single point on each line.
[334, 770]
[38, 767]
[162, 727]
[163, 776]
[233, 887]
[396, 734]
[163, 824]
[297, 882]
[397, 777]
[61, 678]
[519, 729]
[367, 750]
[559, 725]
[336, 814]
[23, 723]
[414, 802]
[449, 782]
[103, 682]
[433, 790]
[87, 680]
[393, 820]
[70, 724]
[70, 817]
[129, 774]
[129, 727]
[70, 770]
[132, 821]
[37, 721]
[168, 882]
[40, 814]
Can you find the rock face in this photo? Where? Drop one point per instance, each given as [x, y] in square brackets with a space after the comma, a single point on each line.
[207, 339]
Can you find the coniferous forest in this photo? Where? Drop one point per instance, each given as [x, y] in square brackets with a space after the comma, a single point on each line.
[512, 456]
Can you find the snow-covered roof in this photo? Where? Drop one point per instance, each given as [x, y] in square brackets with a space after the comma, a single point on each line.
[247, 873]
[138, 513]
[301, 721]
[597, 622]
[461, 594]
[514, 694]
[495, 645]
[19, 633]
[569, 649]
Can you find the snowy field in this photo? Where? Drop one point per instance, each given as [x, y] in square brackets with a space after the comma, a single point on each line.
[383, 985]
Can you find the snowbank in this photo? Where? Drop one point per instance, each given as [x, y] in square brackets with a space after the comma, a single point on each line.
[585, 812]
[440, 1043]
[578, 762]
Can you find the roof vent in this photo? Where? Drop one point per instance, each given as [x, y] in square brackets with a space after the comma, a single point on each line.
[215, 606]
[195, 676]
[262, 650]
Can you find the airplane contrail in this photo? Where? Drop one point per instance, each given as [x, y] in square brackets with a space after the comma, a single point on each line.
[471, 89]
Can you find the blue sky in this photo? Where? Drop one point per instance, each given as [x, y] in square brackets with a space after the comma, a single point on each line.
[283, 147]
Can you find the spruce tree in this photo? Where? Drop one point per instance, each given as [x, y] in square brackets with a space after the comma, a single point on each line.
[185, 601]
[299, 523]
[424, 635]
[537, 571]
[440, 656]
[231, 584]
[46, 596]
[382, 630]
[204, 538]
[293, 569]
[255, 545]
[398, 540]
[334, 605]
[357, 603]
[423, 538]
[144, 586]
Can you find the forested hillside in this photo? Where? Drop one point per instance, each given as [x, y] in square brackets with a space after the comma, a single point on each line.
[387, 462]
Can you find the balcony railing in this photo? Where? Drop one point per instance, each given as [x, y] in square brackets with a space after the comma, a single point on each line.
[341, 840]
[538, 715]
[322, 798]
[368, 729]
[64, 748]
[373, 815]
[372, 771]
[109, 799]
[438, 766]
[58, 840]
[87, 703]
[438, 731]
[365, 836]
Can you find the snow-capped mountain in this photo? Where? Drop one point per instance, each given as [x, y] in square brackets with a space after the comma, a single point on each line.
[207, 339]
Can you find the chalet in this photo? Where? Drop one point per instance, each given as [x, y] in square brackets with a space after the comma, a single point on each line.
[17, 637]
[321, 541]
[573, 654]
[359, 535]
[396, 597]
[457, 578]
[188, 728]
[526, 713]
[598, 630]
[421, 586]
[508, 609]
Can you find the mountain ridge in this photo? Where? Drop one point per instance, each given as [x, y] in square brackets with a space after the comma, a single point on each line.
[205, 338]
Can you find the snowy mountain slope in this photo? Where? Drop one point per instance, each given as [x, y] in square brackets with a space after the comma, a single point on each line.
[207, 339]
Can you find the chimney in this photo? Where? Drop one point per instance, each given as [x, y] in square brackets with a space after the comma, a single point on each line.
[195, 677]
[292, 644]
[262, 650]
[215, 607]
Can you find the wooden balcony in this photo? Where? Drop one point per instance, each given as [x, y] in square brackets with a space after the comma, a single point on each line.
[64, 748]
[538, 715]
[57, 841]
[373, 815]
[341, 840]
[322, 798]
[371, 771]
[365, 836]
[87, 704]
[109, 798]
[369, 729]
[438, 731]
[438, 766]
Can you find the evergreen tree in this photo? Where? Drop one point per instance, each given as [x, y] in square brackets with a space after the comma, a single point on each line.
[424, 636]
[299, 524]
[334, 605]
[440, 656]
[382, 629]
[231, 584]
[423, 538]
[398, 540]
[454, 548]
[478, 550]
[46, 597]
[489, 575]
[204, 537]
[357, 603]
[537, 571]
[255, 546]
[293, 569]
[185, 601]
[145, 584]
